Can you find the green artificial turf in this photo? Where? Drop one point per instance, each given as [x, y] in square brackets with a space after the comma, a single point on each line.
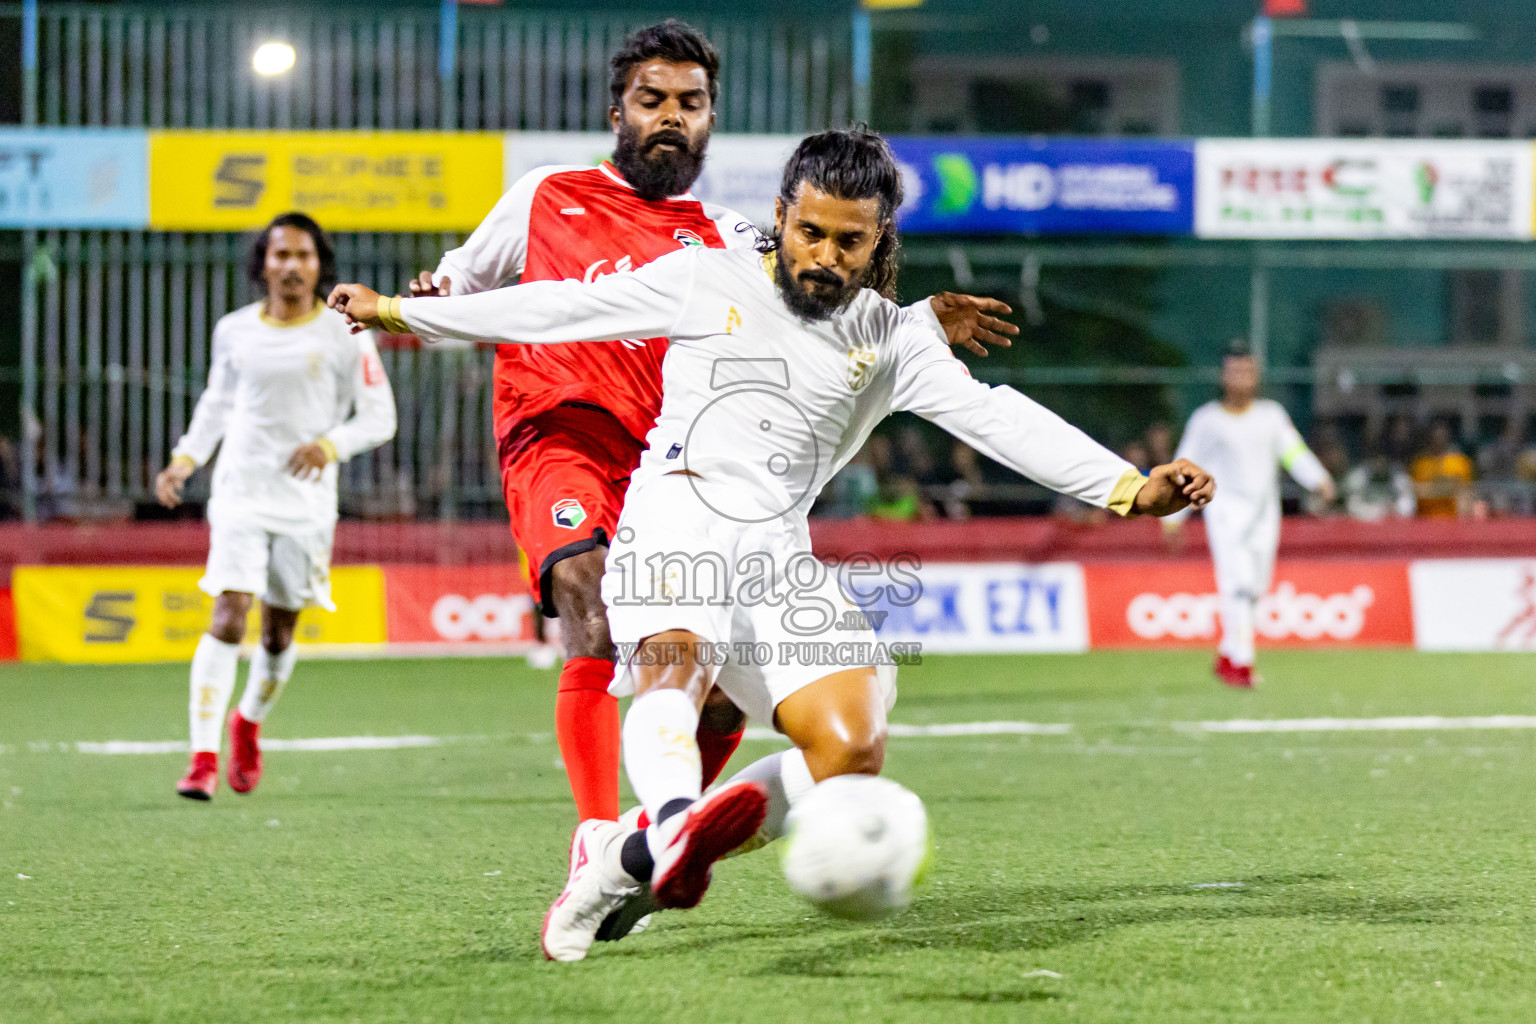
[1156, 873]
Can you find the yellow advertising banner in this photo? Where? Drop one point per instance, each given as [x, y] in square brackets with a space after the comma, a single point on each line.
[115, 614]
[348, 181]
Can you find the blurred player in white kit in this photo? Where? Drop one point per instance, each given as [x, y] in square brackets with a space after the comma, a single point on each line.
[1243, 441]
[291, 393]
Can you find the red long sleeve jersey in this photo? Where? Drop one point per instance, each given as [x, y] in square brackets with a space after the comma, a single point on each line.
[581, 223]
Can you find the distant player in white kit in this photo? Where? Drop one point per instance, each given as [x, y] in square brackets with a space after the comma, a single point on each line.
[1243, 441]
[781, 361]
[291, 393]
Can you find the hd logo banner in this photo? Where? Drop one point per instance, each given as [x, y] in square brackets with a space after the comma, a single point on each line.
[348, 181]
[1046, 186]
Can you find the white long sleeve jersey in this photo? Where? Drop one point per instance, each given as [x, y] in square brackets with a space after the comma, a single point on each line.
[1244, 452]
[765, 407]
[272, 388]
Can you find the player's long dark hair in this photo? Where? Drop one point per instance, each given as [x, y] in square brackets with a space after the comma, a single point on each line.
[305, 223]
[675, 41]
[852, 163]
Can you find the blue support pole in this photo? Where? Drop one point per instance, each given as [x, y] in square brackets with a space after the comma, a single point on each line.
[1263, 73]
[861, 64]
[29, 62]
[447, 60]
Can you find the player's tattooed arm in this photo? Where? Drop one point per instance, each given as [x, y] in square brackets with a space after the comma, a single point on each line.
[968, 321]
[1172, 486]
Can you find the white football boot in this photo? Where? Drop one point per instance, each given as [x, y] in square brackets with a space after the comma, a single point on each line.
[597, 886]
[634, 916]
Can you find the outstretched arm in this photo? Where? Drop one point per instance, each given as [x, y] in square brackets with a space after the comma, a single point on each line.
[1004, 425]
[643, 304]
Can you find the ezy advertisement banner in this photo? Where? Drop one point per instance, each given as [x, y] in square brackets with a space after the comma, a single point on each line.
[1363, 188]
[1046, 186]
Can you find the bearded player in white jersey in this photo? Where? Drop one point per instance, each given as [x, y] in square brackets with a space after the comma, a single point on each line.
[1244, 441]
[291, 393]
[782, 360]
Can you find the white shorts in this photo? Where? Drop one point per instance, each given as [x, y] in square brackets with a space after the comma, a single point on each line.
[1243, 552]
[285, 570]
[774, 616]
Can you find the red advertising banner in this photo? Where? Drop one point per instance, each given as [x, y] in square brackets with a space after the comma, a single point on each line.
[468, 604]
[1311, 603]
[7, 625]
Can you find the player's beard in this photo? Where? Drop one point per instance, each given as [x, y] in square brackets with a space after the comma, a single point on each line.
[659, 174]
[831, 295]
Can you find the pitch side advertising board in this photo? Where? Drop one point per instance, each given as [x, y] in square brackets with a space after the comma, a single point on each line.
[976, 608]
[1046, 186]
[68, 178]
[1359, 188]
[1311, 603]
[459, 606]
[1474, 604]
[741, 172]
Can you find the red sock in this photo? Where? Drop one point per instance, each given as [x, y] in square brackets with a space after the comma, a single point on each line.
[587, 728]
[714, 750]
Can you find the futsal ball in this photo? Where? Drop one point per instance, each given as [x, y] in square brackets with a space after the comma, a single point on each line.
[856, 845]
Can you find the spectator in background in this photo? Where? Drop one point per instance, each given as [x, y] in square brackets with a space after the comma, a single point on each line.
[1442, 477]
[1399, 445]
[1137, 453]
[966, 481]
[1334, 455]
[1499, 486]
[856, 487]
[1159, 442]
[1378, 488]
[10, 479]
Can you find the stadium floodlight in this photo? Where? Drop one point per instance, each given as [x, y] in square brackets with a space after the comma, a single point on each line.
[272, 58]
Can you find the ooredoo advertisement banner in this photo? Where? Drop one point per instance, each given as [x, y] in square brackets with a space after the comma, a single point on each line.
[1363, 188]
[470, 605]
[1474, 604]
[1314, 603]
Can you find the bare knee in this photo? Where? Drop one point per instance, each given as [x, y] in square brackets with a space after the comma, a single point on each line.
[277, 626]
[847, 755]
[229, 611]
[578, 598]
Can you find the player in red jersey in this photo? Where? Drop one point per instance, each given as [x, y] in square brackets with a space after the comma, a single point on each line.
[570, 420]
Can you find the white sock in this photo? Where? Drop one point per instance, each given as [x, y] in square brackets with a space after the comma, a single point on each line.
[1237, 614]
[213, 681]
[787, 779]
[661, 753]
[269, 674]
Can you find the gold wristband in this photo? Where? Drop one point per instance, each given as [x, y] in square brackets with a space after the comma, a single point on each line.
[389, 316]
[184, 460]
[1123, 498]
[329, 447]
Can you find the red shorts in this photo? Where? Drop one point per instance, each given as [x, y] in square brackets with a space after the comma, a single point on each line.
[564, 474]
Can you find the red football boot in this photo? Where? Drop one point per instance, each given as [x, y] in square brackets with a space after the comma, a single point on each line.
[1232, 674]
[715, 825]
[244, 753]
[202, 776]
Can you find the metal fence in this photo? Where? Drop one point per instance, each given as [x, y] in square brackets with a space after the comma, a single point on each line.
[367, 67]
[115, 340]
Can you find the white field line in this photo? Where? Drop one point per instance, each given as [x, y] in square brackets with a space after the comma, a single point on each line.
[1414, 723]
[1418, 723]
